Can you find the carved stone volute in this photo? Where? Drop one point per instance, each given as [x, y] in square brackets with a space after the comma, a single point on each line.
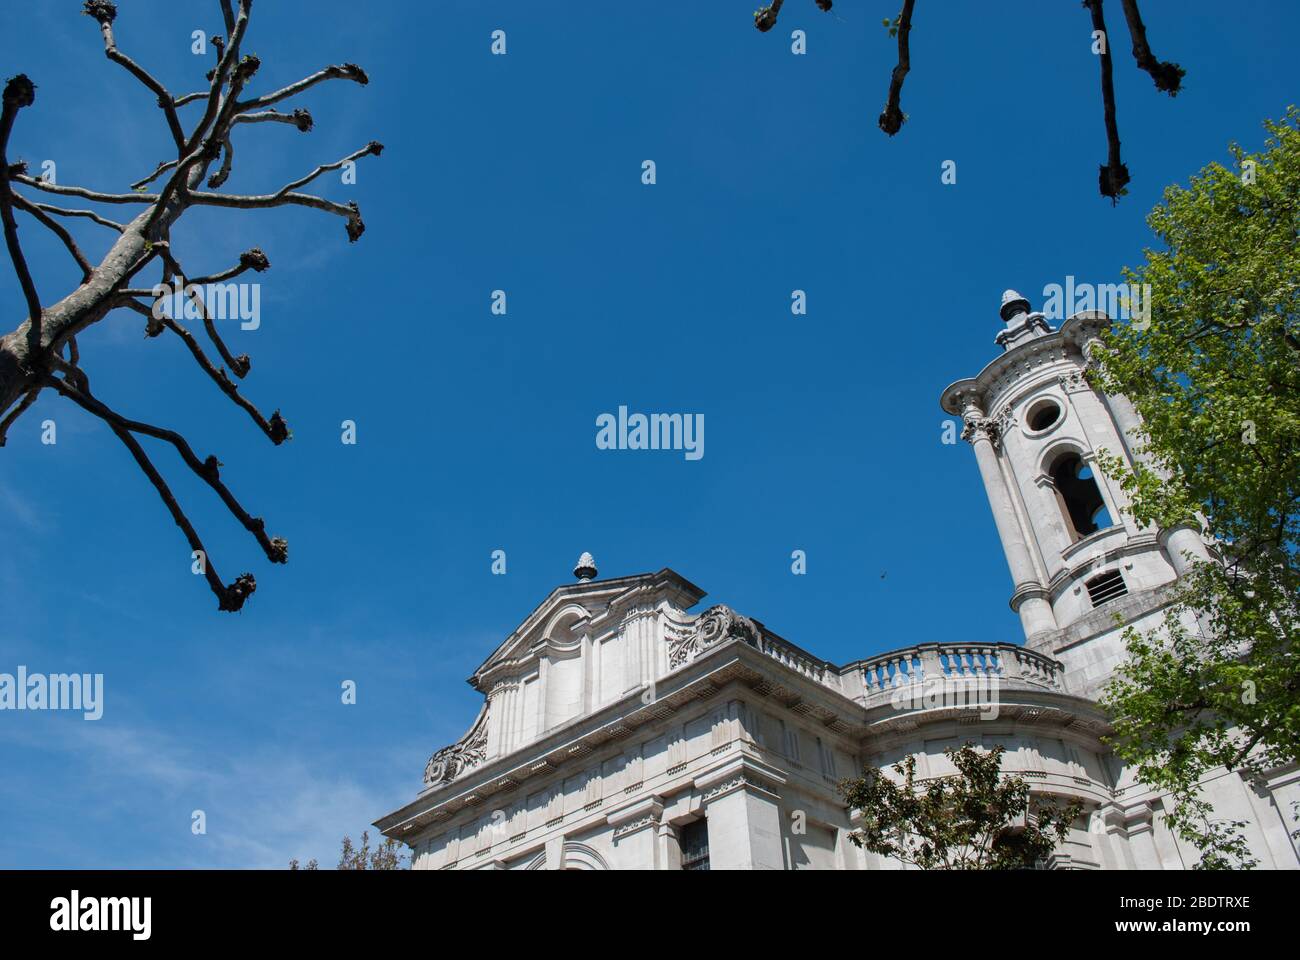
[716, 625]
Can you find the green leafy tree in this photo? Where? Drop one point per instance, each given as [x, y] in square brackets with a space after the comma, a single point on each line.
[386, 856]
[977, 819]
[1214, 371]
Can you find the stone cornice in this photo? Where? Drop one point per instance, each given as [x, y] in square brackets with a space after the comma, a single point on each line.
[740, 772]
[728, 662]
[636, 816]
[1070, 339]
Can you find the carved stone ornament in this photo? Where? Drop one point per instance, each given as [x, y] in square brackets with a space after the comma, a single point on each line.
[1074, 382]
[715, 625]
[982, 427]
[465, 754]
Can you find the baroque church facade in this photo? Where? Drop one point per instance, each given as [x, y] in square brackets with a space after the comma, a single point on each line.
[620, 730]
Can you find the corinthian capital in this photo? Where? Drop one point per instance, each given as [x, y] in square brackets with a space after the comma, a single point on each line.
[981, 427]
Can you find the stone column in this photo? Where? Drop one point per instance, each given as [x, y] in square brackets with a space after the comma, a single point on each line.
[1029, 598]
[669, 847]
[743, 815]
[1183, 547]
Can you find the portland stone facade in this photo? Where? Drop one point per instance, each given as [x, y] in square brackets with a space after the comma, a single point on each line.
[622, 730]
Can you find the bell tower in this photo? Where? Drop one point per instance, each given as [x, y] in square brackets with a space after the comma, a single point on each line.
[1077, 557]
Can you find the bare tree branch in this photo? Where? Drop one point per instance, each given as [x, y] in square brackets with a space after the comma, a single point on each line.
[300, 118]
[891, 118]
[105, 12]
[162, 168]
[228, 15]
[346, 71]
[356, 227]
[66, 191]
[1168, 76]
[765, 17]
[251, 260]
[27, 400]
[88, 214]
[373, 147]
[1113, 177]
[19, 92]
[32, 356]
[59, 231]
[276, 430]
[227, 160]
[228, 597]
[208, 470]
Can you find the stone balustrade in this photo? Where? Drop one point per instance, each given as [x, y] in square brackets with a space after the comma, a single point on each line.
[1007, 663]
[797, 660]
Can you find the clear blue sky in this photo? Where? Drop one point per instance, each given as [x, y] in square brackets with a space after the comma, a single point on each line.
[476, 432]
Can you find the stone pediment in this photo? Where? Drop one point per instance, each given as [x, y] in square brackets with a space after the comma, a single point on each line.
[557, 624]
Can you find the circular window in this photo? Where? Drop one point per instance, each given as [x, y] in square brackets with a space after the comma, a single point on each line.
[1042, 415]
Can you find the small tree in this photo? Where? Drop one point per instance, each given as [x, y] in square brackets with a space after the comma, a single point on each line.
[387, 856]
[976, 819]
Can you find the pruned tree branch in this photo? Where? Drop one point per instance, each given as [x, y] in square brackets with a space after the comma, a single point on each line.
[162, 168]
[356, 227]
[59, 231]
[19, 92]
[106, 12]
[67, 191]
[251, 260]
[88, 214]
[1113, 177]
[230, 598]
[1168, 76]
[27, 400]
[892, 118]
[346, 71]
[300, 118]
[32, 357]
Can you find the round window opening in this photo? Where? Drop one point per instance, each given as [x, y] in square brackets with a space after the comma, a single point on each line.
[1043, 414]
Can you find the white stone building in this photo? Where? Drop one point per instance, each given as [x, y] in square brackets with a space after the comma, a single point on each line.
[619, 730]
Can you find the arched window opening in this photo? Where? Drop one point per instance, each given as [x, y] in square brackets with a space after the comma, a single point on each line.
[1081, 502]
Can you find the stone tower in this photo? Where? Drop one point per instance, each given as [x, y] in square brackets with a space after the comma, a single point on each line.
[1076, 555]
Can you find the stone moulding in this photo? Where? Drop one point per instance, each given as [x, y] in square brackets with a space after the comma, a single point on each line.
[465, 754]
[717, 624]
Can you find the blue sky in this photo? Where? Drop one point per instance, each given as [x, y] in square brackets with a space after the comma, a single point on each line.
[476, 432]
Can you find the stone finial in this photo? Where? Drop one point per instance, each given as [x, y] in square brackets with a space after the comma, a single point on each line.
[1011, 300]
[586, 568]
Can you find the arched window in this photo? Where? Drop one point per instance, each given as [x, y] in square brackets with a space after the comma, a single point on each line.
[1080, 499]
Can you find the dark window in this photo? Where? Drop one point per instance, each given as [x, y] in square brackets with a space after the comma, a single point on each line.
[1042, 415]
[695, 845]
[1081, 503]
[1106, 586]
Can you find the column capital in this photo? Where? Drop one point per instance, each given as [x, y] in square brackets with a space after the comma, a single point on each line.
[981, 428]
